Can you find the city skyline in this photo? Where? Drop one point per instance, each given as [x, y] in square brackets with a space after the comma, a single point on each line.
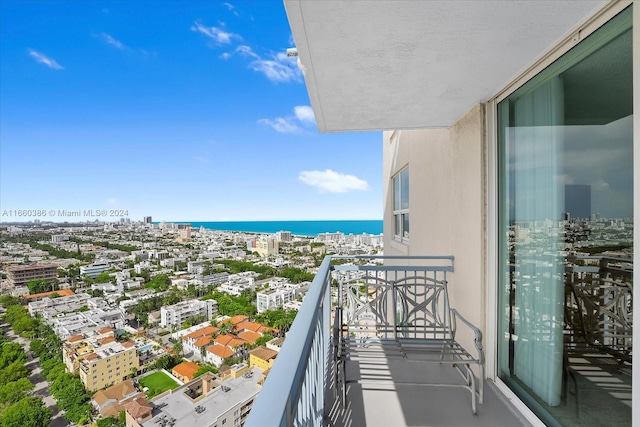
[183, 111]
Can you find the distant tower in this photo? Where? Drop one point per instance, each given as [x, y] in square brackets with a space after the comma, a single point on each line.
[147, 220]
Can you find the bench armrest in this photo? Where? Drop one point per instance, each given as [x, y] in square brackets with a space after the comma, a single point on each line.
[476, 331]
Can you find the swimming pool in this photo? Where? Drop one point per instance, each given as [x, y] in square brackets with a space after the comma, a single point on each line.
[145, 348]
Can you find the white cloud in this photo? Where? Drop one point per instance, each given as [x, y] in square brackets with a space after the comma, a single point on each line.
[600, 185]
[108, 39]
[225, 56]
[216, 34]
[304, 113]
[43, 59]
[277, 67]
[112, 201]
[231, 8]
[281, 124]
[329, 181]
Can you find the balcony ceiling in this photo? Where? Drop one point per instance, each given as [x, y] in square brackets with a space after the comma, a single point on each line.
[377, 65]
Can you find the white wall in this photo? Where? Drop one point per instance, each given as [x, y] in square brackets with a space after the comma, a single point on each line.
[447, 204]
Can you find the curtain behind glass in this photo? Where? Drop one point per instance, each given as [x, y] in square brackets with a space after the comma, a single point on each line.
[538, 207]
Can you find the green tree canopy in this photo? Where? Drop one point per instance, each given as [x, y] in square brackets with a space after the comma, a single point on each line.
[29, 411]
[14, 391]
[40, 285]
[159, 282]
[103, 277]
[8, 300]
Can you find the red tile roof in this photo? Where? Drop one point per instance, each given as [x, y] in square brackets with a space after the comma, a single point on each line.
[75, 338]
[221, 351]
[229, 340]
[106, 340]
[250, 336]
[186, 369]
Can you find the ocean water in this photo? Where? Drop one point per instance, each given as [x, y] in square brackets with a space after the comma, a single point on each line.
[299, 228]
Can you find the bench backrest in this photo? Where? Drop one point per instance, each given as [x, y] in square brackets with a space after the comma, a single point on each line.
[414, 304]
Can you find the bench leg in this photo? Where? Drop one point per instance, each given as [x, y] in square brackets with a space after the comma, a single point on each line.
[473, 390]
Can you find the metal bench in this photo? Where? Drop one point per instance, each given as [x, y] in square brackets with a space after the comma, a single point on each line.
[403, 313]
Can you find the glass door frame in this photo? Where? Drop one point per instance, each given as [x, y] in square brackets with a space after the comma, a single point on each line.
[589, 25]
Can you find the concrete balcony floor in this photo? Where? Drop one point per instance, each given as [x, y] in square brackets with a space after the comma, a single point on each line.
[376, 398]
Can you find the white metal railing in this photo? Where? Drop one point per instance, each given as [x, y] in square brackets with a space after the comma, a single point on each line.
[295, 390]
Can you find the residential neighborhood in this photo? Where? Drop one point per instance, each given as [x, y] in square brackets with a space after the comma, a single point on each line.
[151, 323]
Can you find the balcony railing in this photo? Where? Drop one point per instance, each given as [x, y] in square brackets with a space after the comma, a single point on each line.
[294, 392]
[296, 389]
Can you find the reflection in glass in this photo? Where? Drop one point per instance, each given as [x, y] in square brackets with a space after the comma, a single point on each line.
[565, 224]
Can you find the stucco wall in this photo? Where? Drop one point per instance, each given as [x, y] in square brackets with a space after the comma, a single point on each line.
[447, 203]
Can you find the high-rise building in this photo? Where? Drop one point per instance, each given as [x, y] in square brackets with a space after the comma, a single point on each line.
[472, 156]
[19, 275]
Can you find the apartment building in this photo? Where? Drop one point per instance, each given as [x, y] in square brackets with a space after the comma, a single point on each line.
[209, 400]
[196, 267]
[196, 340]
[19, 275]
[491, 111]
[224, 346]
[274, 298]
[172, 316]
[110, 362]
[264, 247]
[262, 357]
[93, 270]
[284, 236]
[238, 283]
[59, 238]
[210, 279]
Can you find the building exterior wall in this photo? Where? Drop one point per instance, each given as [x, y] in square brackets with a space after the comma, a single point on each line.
[174, 315]
[273, 299]
[20, 275]
[94, 270]
[99, 373]
[447, 193]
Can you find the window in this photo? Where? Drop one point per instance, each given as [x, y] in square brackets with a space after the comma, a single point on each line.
[565, 158]
[401, 205]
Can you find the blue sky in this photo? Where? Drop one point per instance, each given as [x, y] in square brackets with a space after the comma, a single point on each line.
[186, 111]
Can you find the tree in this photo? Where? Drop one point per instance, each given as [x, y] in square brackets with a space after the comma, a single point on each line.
[204, 369]
[107, 422]
[7, 300]
[103, 277]
[10, 353]
[40, 285]
[133, 372]
[225, 328]
[15, 391]
[29, 411]
[178, 348]
[263, 340]
[37, 346]
[160, 282]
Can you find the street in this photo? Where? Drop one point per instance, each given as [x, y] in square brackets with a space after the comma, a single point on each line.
[41, 389]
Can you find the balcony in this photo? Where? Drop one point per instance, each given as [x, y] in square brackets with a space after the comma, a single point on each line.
[307, 387]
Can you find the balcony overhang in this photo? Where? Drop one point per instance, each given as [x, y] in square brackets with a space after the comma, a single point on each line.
[381, 65]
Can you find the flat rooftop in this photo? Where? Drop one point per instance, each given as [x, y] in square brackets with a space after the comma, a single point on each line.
[181, 408]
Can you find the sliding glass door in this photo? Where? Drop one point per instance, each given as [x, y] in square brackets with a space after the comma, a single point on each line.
[565, 149]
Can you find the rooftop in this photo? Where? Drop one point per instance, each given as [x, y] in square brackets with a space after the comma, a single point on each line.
[216, 403]
[14, 268]
[186, 369]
